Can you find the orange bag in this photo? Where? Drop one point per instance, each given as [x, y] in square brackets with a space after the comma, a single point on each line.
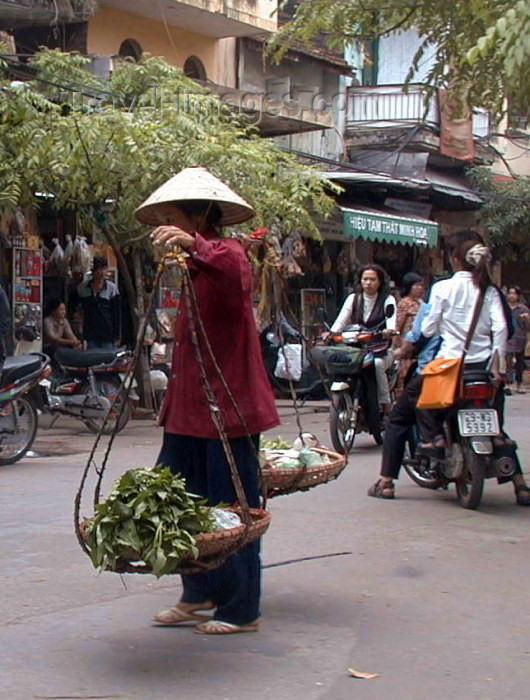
[441, 384]
[442, 379]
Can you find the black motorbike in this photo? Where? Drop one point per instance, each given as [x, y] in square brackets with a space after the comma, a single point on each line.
[474, 445]
[88, 385]
[19, 379]
[348, 358]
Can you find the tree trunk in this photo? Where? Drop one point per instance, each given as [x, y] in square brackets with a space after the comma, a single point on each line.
[135, 297]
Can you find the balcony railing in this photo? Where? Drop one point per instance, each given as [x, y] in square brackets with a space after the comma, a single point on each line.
[389, 106]
[27, 12]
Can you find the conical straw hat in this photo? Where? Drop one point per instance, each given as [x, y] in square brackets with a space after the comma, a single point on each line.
[195, 183]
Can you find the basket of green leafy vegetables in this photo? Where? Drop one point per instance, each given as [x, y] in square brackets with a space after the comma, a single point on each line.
[149, 523]
[289, 468]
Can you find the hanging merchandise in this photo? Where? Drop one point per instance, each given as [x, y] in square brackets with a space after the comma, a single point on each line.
[270, 297]
[290, 362]
[56, 262]
[81, 261]
[342, 266]
[18, 228]
[298, 246]
[289, 265]
[68, 253]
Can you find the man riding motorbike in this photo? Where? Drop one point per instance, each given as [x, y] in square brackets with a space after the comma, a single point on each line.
[403, 416]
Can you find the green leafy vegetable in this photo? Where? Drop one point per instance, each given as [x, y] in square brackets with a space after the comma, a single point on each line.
[150, 516]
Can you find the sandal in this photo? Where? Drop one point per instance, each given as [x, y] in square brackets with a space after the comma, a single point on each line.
[522, 495]
[178, 616]
[382, 489]
[222, 627]
[437, 443]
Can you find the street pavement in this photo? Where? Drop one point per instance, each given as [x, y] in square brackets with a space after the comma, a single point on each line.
[431, 597]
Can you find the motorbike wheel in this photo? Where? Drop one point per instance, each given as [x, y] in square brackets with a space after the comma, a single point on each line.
[470, 485]
[11, 452]
[341, 430]
[109, 389]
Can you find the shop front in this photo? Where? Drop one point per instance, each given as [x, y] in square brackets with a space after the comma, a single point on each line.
[323, 276]
[396, 242]
[43, 259]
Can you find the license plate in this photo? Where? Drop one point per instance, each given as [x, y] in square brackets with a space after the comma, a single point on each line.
[482, 421]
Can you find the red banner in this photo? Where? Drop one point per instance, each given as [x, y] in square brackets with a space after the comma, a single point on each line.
[456, 132]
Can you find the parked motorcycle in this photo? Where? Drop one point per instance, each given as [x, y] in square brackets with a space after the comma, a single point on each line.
[20, 377]
[349, 360]
[470, 456]
[87, 386]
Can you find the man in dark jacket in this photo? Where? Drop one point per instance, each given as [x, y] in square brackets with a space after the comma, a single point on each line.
[100, 301]
[5, 322]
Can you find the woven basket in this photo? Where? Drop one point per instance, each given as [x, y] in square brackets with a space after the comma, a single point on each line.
[214, 547]
[280, 482]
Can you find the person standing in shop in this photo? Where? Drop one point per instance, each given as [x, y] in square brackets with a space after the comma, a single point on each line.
[100, 301]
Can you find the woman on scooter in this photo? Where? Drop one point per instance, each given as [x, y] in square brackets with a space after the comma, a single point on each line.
[452, 306]
[372, 306]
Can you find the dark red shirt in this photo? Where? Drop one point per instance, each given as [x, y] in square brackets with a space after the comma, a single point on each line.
[222, 281]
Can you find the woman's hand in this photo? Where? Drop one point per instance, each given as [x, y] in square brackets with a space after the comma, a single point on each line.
[387, 333]
[171, 236]
[498, 379]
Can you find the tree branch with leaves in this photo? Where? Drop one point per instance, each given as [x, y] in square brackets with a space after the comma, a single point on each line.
[481, 47]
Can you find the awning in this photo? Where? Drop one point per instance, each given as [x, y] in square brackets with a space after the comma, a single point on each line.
[375, 226]
[450, 185]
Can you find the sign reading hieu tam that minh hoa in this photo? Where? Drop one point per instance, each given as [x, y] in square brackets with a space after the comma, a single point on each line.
[391, 229]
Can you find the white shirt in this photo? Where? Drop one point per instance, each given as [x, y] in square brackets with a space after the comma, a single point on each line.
[452, 304]
[344, 318]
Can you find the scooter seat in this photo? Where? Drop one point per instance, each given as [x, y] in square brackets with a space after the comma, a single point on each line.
[19, 366]
[84, 358]
[475, 375]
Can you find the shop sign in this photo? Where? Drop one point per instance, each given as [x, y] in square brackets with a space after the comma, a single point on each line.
[332, 229]
[391, 229]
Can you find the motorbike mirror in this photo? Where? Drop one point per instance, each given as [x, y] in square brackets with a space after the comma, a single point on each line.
[389, 311]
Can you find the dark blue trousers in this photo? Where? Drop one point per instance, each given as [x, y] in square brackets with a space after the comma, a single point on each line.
[235, 586]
